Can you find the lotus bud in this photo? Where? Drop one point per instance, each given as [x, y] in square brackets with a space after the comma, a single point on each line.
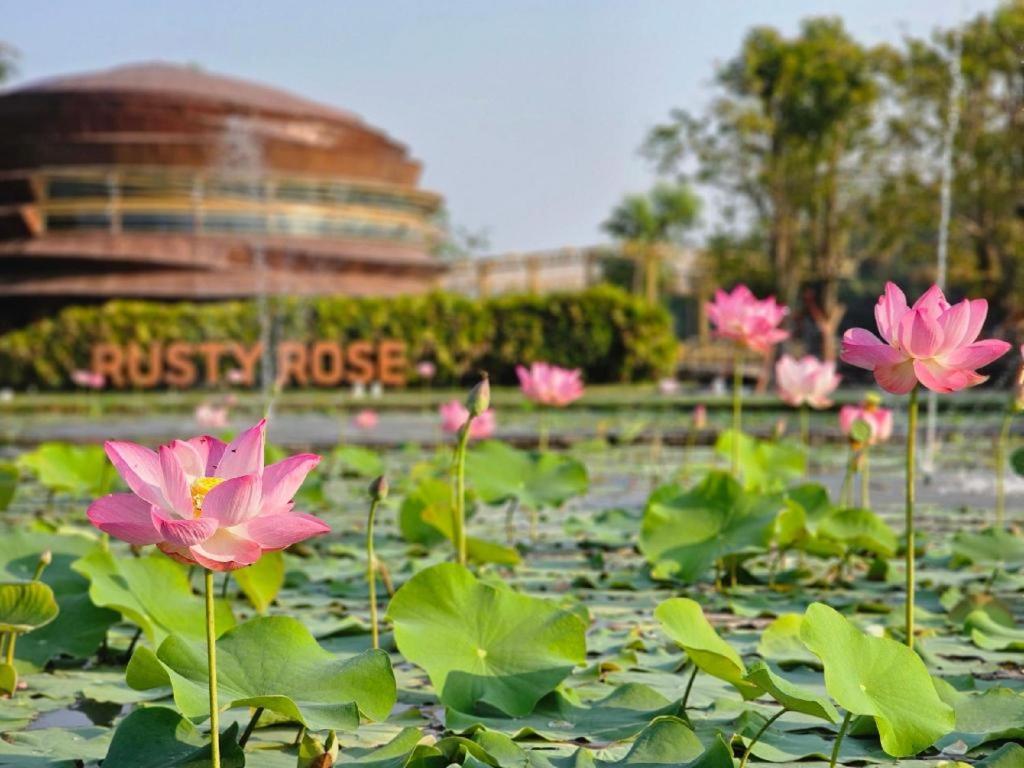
[314, 753]
[379, 489]
[44, 560]
[1018, 390]
[479, 399]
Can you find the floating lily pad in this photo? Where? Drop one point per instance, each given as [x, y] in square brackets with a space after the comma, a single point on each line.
[158, 737]
[275, 663]
[994, 715]
[879, 678]
[991, 546]
[992, 635]
[468, 635]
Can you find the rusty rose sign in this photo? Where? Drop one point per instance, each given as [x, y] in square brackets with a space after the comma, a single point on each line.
[182, 364]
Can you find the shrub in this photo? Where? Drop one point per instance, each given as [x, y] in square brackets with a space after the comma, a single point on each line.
[612, 336]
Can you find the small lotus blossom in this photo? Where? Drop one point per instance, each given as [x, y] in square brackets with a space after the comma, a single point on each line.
[210, 416]
[878, 419]
[746, 319]
[700, 417]
[807, 381]
[366, 419]
[454, 415]
[426, 370]
[88, 379]
[549, 384]
[206, 503]
[930, 342]
[668, 386]
[236, 376]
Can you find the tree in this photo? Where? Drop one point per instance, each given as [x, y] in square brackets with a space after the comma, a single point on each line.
[789, 127]
[649, 225]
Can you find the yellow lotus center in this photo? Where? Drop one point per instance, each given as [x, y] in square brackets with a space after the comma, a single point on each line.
[199, 489]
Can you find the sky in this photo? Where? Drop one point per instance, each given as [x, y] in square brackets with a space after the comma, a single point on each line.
[527, 114]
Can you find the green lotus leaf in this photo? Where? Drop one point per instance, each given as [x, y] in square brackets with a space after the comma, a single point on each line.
[1007, 756]
[261, 581]
[780, 642]
[620, 715]
[26, 605]
[992, 635]
[879, 678]
[791, 696]
[153, 592]
[764, 465]
[469, 637]
[992, 546]
[537, 480]
[356, 460]
[8, 483]
[685, 531]
[684, 621]
[275, 663]
[158, 737]
[994, 715]
[53, 747]
[79, 469]
[859, 530]
[80, 626]
[426, 517]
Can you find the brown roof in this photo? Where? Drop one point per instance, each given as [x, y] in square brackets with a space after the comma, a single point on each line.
[162, 77]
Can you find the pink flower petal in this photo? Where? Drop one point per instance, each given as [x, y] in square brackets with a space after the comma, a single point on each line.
[976, 355]
[280, 531]
[939, 378]
[898, 379]
[865, 350]
[124, 516]
[234, 501]
[244, 455]
[226, 551]
[932, 303]
[210, 450]
[920, 334]
[891, 306]
[192, 463]
[140, 468]
[282, 479]
[185, 533]
[979, 311]
[954, 322]
[173, 483]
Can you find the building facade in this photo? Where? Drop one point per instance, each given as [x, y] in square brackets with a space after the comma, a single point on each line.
[166, 182]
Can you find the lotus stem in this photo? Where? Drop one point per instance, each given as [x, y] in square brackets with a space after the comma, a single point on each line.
[805, 428]
[211, 657]
[911, 460]
[250, 727]
[839, 740]
[689, 687]
[846, 490]
[371, 573]
[865, 479]
[542, 431]
[759, 734]
[737, 417]
[459, 521]
[1000, 457]
[11, 639]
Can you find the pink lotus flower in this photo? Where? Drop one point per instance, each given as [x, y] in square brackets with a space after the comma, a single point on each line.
[206, 503]
[211, 416]
[366, 419]
[668, 386]
[747, 320]
[700, 417]
[454, 415]
[931, 342]
[88, 379]
[236, 376]
[877, 418]
[550, 385]
[426, 370]
[806, 381]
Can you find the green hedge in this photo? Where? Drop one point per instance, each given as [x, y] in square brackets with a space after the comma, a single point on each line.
[612, 336]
